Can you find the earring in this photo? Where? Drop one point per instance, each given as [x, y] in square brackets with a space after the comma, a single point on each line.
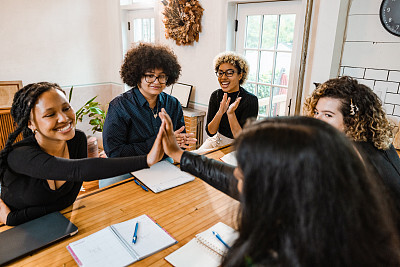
[34, 131]
[353, 108]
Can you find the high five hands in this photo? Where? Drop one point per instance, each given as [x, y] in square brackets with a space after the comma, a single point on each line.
[184, 139]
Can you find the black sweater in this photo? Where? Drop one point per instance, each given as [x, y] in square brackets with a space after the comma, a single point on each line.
[25, 189]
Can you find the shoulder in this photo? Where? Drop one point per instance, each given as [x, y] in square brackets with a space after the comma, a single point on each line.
[79, 135]
[24, 148]
[122, 98]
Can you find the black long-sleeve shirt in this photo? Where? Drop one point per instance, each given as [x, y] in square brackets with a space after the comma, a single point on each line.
[248, 108]
[25, 189]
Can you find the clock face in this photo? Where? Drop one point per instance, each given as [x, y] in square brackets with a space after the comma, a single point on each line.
[390, 16]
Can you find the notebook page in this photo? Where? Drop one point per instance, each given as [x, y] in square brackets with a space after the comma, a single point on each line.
[227, 234]
[151, 238]
[100, 249]
[230, 158]
[194, 254]
[162, 175]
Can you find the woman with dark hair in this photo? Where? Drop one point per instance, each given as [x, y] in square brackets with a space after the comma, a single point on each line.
[232, 105]
[306, 197]
[132, 121]
[44, 172]
[356, 110]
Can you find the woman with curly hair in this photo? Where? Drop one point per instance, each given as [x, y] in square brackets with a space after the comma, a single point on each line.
[44, 172]
[132, 120]
[356, 110]
[232, 105]
[295, 209]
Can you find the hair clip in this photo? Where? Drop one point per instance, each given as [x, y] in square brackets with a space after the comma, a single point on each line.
[353, 108]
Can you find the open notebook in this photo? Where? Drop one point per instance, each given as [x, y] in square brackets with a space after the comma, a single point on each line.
[205, 249]
[162, 176]
[112, 246]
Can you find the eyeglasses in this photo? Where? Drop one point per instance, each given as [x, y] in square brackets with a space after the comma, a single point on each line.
[228, 73]
[151, 78]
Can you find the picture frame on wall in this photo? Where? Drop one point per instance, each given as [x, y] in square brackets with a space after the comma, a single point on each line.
[7, 91]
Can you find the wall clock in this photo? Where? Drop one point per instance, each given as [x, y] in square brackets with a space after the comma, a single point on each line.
[390, 16]
[182, 20]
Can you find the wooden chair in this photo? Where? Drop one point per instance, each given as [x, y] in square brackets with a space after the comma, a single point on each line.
[7, 126]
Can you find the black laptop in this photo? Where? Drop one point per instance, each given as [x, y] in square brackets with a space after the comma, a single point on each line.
[27, 237]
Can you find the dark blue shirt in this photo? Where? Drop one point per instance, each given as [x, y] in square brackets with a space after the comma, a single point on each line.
[130, 128]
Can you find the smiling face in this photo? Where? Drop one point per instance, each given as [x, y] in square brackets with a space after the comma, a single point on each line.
[328, 110]
[52, 118]
[151, 90]
[229, 84]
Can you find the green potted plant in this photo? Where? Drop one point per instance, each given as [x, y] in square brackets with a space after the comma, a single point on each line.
[97, 116]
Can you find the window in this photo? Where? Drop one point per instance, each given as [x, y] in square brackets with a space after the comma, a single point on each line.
[266, 36]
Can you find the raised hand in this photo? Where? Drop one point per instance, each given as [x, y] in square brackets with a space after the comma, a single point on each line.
[157, 152]
[169, 142]
[184, 139]
[224, 105]
[233, 106]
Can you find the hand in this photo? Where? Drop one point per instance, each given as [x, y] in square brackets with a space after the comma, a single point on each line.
[4, 211]
[156, 153]
[184, 139]
[169, 142]
[233, 106]
[224, 105]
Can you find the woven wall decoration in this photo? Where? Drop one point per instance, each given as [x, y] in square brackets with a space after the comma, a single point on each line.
[182, 20]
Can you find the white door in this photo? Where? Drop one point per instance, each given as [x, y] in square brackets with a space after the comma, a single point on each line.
[141, 26]
[268, 35]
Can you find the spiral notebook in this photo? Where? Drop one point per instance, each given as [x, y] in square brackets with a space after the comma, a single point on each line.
[205, 249]
[113, 246]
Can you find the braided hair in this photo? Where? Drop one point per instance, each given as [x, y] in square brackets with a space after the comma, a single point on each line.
[23, 102]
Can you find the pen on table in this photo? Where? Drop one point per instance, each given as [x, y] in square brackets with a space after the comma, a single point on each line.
[220, 239]
[134, 238]
[142, 186]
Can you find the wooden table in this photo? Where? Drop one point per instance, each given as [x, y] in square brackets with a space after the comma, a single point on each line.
[182, 211]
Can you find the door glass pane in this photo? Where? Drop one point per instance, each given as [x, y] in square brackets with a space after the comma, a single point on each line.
[137, 31]
[250, 87]
[266, 65]
[282, 68]
[286, 32]
[279, 101]
[143, 30]
[269, 31]
[263, 94]
[252, 59]
[253, 31]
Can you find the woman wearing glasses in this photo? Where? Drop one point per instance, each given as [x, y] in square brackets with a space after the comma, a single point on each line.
[230, 106]
[132, 120]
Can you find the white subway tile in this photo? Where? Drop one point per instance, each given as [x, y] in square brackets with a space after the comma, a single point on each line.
[369, 83]
[390, 87]
[392, 99]
[396, 111]
[354, 72]
[389, 108]
[376, 74]
[394, 76]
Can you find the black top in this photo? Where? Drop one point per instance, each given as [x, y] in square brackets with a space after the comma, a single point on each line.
[26, 191]
[248, 108]
[130, 128]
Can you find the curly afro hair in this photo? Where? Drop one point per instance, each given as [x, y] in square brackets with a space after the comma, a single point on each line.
[367, 124]
[234, 59]
[146, 57]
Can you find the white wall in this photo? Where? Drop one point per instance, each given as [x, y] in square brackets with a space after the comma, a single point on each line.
[371, 54]
[70, 42]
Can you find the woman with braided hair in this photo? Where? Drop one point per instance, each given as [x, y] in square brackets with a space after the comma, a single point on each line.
[356, 110]
[44, 172]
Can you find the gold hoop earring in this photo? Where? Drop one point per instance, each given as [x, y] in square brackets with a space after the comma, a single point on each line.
[34, 131]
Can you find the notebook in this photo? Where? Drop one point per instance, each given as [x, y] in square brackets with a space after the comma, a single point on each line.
[205, 249]
[162, 176]
[113, 246]
[27, 237]
[230, 158]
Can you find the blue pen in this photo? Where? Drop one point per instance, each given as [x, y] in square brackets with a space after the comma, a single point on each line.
[220, 239]
[142, 186]
[134, 238]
